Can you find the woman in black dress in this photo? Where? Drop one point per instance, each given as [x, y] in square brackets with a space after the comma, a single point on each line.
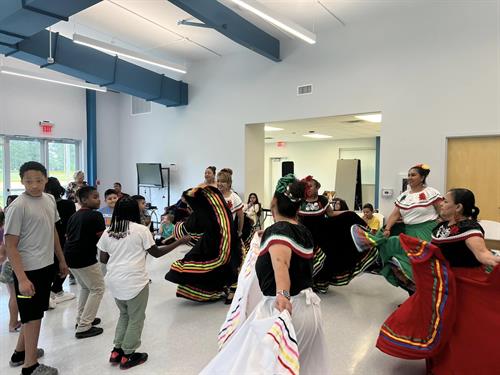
[336, 259]
[284, 269]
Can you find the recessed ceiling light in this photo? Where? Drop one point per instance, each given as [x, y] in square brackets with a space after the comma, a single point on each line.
[370, 117]
[316, 135]
[268, 128]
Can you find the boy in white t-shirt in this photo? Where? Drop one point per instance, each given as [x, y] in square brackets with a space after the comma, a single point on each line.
[123, 247]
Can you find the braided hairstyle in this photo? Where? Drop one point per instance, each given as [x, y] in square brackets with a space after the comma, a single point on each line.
[289, 195]
[126, 210]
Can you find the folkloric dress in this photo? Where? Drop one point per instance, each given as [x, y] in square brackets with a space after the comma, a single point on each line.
[453, 319]
[336, 260]
[211, 266]
[419, 218]
[256, 338]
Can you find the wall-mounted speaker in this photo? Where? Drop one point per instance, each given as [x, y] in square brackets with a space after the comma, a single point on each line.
[286, 168]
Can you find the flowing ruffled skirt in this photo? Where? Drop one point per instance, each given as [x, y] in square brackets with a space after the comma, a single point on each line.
[256, 339]
[453, 319]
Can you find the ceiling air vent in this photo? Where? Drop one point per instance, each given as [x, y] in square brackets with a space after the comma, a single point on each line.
[140, 106]
[304, 89]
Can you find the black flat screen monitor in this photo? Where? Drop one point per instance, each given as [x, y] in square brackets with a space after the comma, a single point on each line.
[149, 174]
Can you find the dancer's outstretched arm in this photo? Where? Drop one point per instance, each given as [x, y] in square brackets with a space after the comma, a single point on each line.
[159, 251]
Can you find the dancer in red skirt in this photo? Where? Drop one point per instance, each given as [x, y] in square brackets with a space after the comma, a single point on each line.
[453, 319]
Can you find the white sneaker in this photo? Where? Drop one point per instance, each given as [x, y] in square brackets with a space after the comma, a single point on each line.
[62, 296]
[52, 303]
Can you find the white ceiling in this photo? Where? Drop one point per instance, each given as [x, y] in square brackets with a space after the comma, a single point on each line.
[150, 26]
[339, 127]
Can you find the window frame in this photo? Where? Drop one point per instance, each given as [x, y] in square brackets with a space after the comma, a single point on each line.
[44, 154]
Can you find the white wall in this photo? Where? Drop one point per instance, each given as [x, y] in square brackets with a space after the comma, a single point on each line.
[24, 102]
[431, 69]
[318, 159]
[108, 135]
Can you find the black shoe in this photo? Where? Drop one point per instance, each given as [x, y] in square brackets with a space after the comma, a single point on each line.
[93, 331]
[17, 358]
[132, 360]
[95, 322]
[116, 356]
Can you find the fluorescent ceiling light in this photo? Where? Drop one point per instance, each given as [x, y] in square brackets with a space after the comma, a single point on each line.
[268, 128]
[370, 117]
[74, 83]
[278, 21]
[115, 50]
[316, 136]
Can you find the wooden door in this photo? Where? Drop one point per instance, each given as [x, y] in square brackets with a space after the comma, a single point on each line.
[474, 163]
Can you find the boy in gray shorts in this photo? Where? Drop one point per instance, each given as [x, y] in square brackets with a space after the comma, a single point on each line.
[31, 240]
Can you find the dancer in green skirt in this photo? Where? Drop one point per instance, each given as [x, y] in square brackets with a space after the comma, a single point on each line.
[418, 209]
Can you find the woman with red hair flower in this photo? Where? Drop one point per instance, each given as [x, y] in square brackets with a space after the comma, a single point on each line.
[418, 209]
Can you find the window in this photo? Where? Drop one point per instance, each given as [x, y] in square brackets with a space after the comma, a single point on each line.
[21, 151]
[61, 158]
[62, 161]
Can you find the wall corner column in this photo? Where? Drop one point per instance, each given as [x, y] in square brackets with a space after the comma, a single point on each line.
[91, 105]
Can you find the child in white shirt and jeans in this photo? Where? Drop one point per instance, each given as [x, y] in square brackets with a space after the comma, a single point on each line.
[123, 247]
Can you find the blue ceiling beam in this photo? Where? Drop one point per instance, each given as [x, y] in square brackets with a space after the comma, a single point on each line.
[6, 49]
[100, 68]
[23, 35]
[20, 19]
[227, 22]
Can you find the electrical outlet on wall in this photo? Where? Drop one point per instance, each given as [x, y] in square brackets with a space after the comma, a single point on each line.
[387, 193]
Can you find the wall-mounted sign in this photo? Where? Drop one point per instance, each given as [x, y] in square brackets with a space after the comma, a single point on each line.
[46, 127]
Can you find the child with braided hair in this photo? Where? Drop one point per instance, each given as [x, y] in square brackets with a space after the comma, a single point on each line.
[123, 248]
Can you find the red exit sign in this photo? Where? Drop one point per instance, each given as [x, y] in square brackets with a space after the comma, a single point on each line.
[46, 127]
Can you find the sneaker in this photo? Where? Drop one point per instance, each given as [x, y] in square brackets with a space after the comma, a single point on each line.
[116, 356]
[93, 331]
[45, 370]
[52, 303]
[95, 322]
[132, 360]
[17, 358]
[62, 296]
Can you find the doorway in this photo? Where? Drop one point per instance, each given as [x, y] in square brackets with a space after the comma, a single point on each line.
[474, 163]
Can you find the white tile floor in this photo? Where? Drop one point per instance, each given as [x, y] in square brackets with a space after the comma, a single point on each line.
[180, 336]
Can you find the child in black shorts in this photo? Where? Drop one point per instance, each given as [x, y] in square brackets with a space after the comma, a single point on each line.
[31, 240]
